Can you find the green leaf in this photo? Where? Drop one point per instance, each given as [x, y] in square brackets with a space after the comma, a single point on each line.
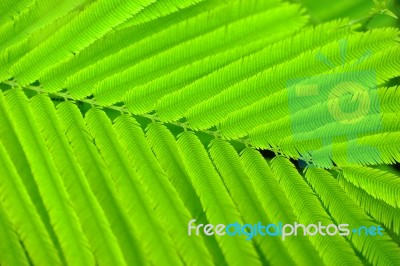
[92, 218]
[22, 213]
[164, 198]
[59, 47]
[228, 164]
[164, 146]
[276, 205]
[11, 251]
[215, 199]
[379, 184]
[132, 194]
[100, 180]
[378, 209]
[379, 250]
[308, 208]
[63, 218]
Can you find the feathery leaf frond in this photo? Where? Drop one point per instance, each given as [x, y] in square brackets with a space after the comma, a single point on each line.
[11, 250]
[93, 221]
[217, 203]
[58, 204]
[104, 14]
[344, 210]
[308, 208]
[128, 128]
[130, 191]
[380, 184]
[276, 205]
[164, 198]
[22, 214]
[99, 179]
[378, 209]
[228, 163]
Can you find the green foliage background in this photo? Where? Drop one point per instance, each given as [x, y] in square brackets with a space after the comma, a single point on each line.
[120, 121]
